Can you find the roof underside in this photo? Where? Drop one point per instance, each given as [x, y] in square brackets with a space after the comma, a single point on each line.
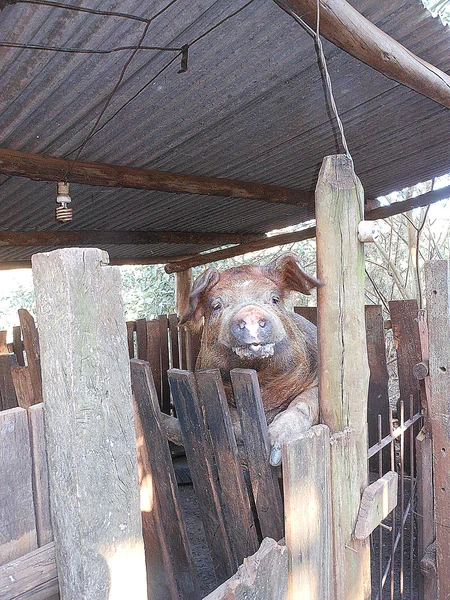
[251, 107]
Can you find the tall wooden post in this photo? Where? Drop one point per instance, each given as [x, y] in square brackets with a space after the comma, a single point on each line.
[343, 365]
[183, 284]
[437, 275]
[91, 444]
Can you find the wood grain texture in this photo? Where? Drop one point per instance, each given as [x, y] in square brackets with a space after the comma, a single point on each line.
[154, 354]
[41, 490]
[164, 361]
[343, 364]
[18, 523]
[3, 344]
[18, 345]
[31, 345]
[378, 500]
[183, 285]
[131, 328]
[47, 168]
[141, 339]
[23, 386]
[32, 576]
[168, 553]
[89, 419]
[240, 524]
[345, 27]
[437, 275]
[174, 341]
[263, 477]
[307, 501]
[197, 444]
[8, 396]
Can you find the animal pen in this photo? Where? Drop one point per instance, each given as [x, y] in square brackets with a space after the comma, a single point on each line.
[83, 471]
[230, 103]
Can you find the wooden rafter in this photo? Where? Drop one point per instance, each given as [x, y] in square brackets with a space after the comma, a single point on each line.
[345, 27]
[119, 237]
[381, 212]
[47, 168]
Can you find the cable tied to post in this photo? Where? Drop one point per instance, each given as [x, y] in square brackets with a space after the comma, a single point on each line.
[323, 63]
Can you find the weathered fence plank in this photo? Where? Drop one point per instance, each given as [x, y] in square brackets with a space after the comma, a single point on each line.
[164, 358]
[89, 420]
[8, 396]
[405, 329]
[141, 339]
[18, 345]
[166, 544]
[30, 577]
[263, 477]
[23, 385]
[378, 400]
[17, 520]
[174, 346]
[3, 343]
[437, 274]
[31, 346]
[131, 328]
[307, 501]
[154, 354]
[343, 365]
[197, 444]
[41, 490]
[378, 500]
[240, 524]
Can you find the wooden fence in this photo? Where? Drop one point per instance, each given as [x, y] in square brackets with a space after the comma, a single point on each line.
[233, 530]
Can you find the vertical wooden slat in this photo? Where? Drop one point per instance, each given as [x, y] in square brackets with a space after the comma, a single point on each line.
[183, 284]
[23, 386]
[182, 341]
[89, 424]
[197, 444]
[263, 477]
[405, 329]
[131, 328]
[193, 343]
[154, 353]
[31, 345]
[437, 275]
[174, 345]
[8, 396]
[164, 353]
[141, 339]
[41, 491]
[240, 524]
[343, 365]
[18, 523]
[3, 343]
[378, 401]
[307, 502]
[18, 345]
[168, 553]
[308, 312]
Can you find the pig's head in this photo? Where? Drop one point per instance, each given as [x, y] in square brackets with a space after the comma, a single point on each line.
[246, 320]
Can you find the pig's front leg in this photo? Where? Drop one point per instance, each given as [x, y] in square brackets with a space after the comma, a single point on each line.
[301, 414]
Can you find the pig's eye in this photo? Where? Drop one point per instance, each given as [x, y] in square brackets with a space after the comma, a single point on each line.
[216, 306]
[275, 300]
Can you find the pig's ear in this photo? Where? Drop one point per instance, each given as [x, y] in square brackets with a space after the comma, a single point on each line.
[204, 282]
[288, 273]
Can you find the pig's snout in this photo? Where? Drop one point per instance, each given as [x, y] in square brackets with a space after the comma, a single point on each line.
[251, 325]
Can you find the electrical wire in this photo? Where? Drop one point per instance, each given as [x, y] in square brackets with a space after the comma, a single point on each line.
[184, 51]
[117, 85]
[83, 50]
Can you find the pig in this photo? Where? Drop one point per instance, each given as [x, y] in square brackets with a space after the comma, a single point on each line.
[247, 325]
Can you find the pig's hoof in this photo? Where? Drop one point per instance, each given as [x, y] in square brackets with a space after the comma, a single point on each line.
[286, 427]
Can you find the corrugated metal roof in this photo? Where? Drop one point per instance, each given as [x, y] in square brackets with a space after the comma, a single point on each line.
[250, 107]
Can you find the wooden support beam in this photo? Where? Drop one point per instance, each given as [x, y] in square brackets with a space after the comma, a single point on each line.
[119, 237]
[345, 27]
[89, 424]
[343, 365]
[437, 276]
[146, 260]
[372, 214]
[48, 168]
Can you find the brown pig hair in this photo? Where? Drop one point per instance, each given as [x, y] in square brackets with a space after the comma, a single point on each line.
[285, 271]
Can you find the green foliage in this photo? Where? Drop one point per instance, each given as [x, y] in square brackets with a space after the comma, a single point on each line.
[147, 292]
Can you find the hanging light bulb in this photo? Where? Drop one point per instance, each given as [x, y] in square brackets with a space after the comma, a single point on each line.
[63, 211]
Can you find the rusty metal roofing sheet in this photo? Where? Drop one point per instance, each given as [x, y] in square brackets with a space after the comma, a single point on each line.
[251, 106]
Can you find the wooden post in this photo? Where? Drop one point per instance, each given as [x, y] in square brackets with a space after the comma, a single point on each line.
[89, 422]
[437, 274]
[183, 284]
[344, 372]
[306, 467]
